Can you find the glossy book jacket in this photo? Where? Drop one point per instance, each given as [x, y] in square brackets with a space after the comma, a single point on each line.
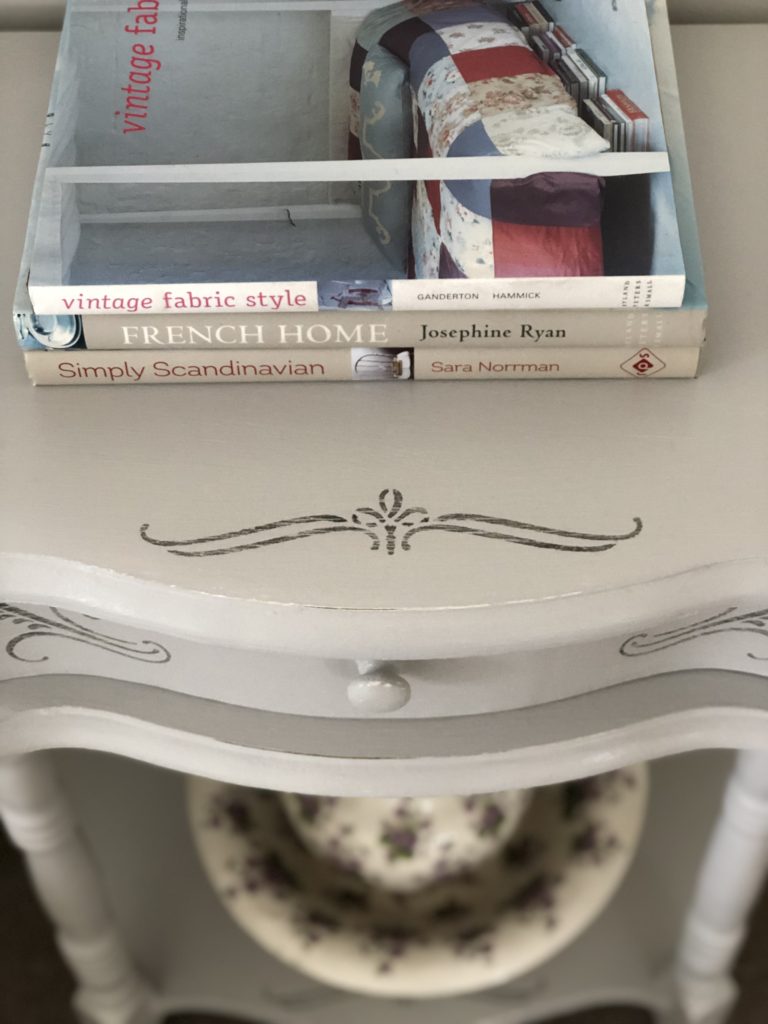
[195, 161]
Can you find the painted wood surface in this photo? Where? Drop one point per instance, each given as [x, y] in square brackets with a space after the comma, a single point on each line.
[38, 819]
[729, 883]
[648, 719]
[622, 959]
[39, 641]
[47, 14]
[89, 479]
[466, 518]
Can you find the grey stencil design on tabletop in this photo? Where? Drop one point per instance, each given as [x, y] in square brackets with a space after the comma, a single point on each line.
[728, 621]
[59, 626]
[390, 527]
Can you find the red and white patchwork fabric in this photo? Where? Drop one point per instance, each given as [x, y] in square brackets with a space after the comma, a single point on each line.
[478, 89]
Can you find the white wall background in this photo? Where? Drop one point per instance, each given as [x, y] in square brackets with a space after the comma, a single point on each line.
[26, 14]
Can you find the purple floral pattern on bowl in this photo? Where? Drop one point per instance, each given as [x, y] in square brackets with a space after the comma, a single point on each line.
[404, 844]
[482, 927]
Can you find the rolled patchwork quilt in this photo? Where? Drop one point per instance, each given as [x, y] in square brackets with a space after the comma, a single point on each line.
[454, 78]
[385, 130]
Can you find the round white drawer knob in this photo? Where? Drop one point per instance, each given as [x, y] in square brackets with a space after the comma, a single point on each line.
[379, 691]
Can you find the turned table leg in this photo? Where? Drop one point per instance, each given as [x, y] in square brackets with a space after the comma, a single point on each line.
[729, 881]
[40, 823]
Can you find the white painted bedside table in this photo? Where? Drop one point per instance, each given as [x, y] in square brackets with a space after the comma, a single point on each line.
[365, 589]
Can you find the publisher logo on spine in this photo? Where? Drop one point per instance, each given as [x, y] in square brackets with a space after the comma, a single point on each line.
[644, 363]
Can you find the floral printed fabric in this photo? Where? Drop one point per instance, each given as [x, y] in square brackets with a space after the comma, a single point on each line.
[466, 236]
[383, 116]
[425, 236]
[479, 90]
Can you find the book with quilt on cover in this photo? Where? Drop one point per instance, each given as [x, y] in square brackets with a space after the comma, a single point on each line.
[196, 159]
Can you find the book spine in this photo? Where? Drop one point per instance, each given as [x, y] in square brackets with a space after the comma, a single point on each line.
[516, 17]
[193, 367]
[658, 291]
[625, 105]
[569, 77]
[600, 76]
[544, 15]
[554, 363]
[526, 15]
[623, 141]
[230, 297]
[612, 108]
[540, 47]
[532, 18]
[638, 124]
[553, 48]
[599, 120]
[562, 37]
[89, 368]
[591, 80]
[323, 331]
[648, 291]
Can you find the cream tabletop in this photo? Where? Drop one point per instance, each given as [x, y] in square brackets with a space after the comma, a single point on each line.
[422, 519]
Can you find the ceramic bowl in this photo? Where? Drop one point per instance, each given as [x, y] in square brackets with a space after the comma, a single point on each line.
[405, 843]
[485, 928]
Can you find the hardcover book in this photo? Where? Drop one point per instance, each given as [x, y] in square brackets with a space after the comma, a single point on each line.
[272, 158]
[329, 329]
[359, 364]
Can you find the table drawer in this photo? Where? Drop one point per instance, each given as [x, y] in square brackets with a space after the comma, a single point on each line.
[37, 640]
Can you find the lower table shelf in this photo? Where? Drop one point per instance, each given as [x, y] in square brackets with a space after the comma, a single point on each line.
[196, 959]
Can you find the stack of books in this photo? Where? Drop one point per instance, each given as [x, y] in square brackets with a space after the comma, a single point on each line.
[609, 111]
[195, 219]
[532, 18]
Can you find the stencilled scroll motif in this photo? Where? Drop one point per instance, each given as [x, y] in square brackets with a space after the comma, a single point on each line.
[35, 625]
[391, 527]
[728, 621]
